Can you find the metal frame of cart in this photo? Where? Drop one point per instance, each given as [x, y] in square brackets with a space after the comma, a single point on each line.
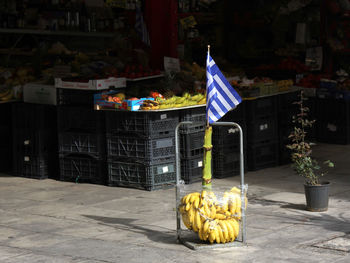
[188, 242]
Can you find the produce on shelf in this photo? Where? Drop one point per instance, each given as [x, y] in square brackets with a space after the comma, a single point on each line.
[174, 102]
[215, 220]
[260, 86]
[310, 81]
[6, 94]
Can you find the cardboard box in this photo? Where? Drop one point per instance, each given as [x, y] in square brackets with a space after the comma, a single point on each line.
[40, 93]
[96, 84]
[101, 102]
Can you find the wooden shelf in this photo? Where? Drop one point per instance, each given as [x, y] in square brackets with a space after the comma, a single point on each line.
[55, 33]
[146, 78]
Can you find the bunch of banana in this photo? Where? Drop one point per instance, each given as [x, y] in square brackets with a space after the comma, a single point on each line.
[150, 105]
[213, 219]
[220, 231]
[6, 95]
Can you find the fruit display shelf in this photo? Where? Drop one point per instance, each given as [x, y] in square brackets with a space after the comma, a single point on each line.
[159, 110]
[146, 78]
[8, 101]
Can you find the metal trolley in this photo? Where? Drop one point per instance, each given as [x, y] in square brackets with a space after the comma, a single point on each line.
[189, 240]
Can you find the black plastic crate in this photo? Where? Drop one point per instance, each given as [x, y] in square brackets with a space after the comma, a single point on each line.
[286, 101]
[191, 144]
[262, 129]
[228, 136]
[84, 143]
[226, 165]
[27, 116]
[197, 115]
[6, 125]
[5, 135]
[6, 158]
[142, 124]
[312, 115]
[284, 156]
[82, 169]
[76, 97]
[192, 169]
[36, 167]
[262, 155]
[333, 121]
[138, 149]
[79, 119]
[287, 108]
[137, 175]
[34, 142]
[235, 115]
[261, 107]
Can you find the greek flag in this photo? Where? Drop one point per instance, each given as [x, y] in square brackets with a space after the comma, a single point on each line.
[140, 27]
[221, 97]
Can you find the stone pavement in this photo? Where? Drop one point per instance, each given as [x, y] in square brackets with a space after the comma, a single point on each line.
[52, 221]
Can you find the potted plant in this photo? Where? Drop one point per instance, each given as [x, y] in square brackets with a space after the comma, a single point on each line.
[316, 191]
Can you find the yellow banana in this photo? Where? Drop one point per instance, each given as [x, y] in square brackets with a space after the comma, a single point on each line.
[229, 223]
[221, 234]
[236, 227]
[201, 213]
[188, 206]
[212, 211]
[183, 199]
[193, 197]
[230, 230]
[196, 202]
[205, 235]
[207, 210]
[235, 190]
[197, 221]
[220, 216]
[217, 234]
[232, 207]
[206, 226]
[191, 216]
[186, 221]
[239, 204]
[187, 198]
[224, 230]
[204, 194]
[225, 200]
[211, 236]
[228, 214]
[200, 234]
[238, 215]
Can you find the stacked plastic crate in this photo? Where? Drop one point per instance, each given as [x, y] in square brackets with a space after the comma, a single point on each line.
[286, 110]
[5, 138]
[226, 144]
[34, 140]
[332, 113]
[333, 120]
[191, 144]
[262, 136]
[82, 151]
[141, 148]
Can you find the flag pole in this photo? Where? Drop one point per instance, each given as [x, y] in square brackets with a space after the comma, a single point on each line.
[207, 147]
[206, 91]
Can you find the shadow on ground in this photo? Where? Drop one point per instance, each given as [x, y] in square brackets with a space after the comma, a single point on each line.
[326, 220]
[163, 235]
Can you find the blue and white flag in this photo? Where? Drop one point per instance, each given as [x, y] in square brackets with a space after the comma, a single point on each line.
[140, 27]
[221, 97]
